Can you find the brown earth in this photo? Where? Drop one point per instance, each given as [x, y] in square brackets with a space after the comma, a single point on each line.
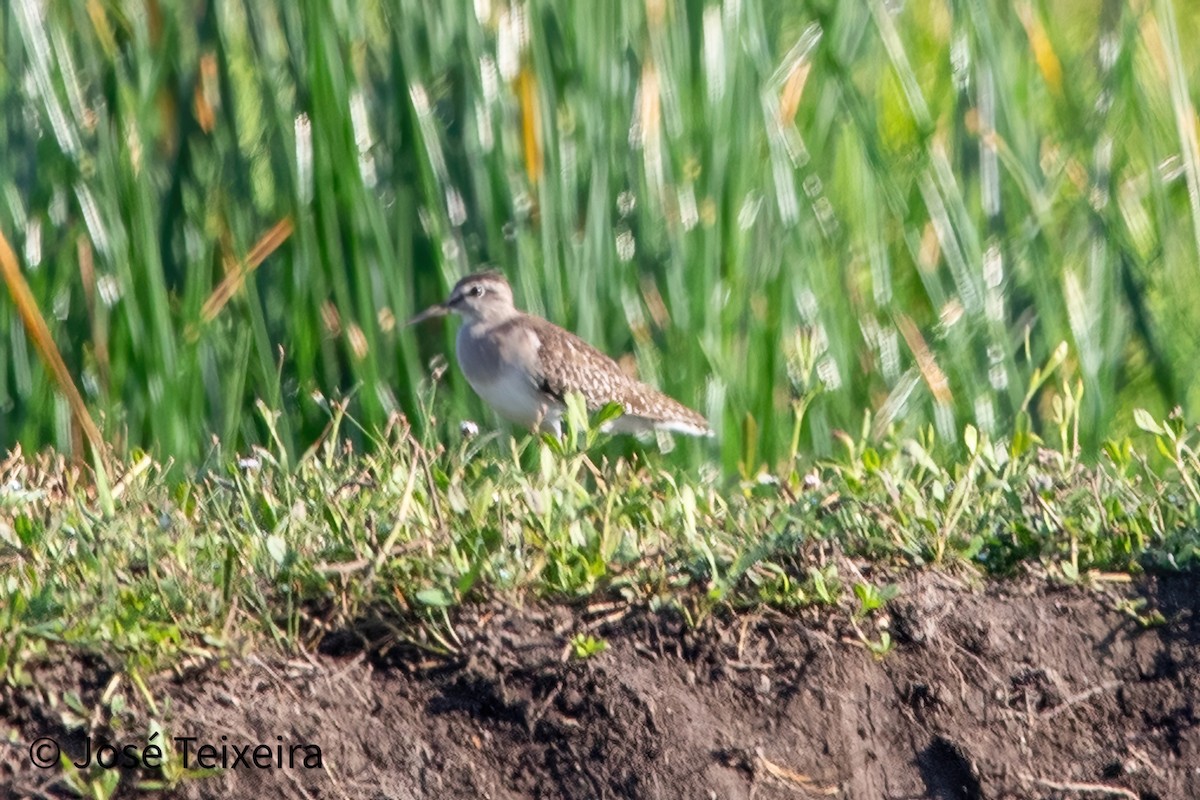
[1015, 690]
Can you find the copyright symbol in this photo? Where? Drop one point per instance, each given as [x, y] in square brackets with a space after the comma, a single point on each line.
[43, 753]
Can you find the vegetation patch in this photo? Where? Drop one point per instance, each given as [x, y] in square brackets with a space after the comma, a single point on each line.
[258, 552]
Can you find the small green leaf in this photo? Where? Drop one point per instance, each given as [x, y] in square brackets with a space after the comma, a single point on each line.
[974, 547]
[468, 579]
[555, 444]
[26, 533]
[1142, 418]
[576, 418]
[73, 702]
[434, 597]
[277, 548]
[457, 499]
[610, 412]
[586, 645]
[1120, 451]
[971, 438]
[821, 586]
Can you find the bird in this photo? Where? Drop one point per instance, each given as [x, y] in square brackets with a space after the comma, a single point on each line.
[524, 366]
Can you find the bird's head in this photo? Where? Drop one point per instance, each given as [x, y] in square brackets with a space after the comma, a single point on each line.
[484, 296]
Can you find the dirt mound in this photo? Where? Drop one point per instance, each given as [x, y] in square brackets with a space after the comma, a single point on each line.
[1014, 691]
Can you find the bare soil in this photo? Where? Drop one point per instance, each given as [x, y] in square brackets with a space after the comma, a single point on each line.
[1013, 690]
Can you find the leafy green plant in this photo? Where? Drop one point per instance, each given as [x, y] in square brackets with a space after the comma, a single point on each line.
[1135, 608]
[872, 598]
[880, 647]
[585, 645]
[824, 584]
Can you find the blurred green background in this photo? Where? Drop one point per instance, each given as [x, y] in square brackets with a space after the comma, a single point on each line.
[900, 207]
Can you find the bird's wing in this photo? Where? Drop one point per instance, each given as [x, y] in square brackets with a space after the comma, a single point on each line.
[567, 363]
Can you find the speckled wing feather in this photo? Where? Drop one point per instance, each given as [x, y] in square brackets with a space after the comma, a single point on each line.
[568, 363]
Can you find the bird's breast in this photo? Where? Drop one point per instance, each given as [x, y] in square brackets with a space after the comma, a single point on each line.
[499, 365]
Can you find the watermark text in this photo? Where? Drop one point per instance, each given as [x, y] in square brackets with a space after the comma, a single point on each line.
[47, 753]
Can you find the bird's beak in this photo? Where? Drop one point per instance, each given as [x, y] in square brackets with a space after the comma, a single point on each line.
[437, 310]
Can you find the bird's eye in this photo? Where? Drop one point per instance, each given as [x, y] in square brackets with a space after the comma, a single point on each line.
[476, 291]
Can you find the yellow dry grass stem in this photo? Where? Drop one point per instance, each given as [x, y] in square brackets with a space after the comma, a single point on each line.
[269, 243]
[35, 325]
[527, 91]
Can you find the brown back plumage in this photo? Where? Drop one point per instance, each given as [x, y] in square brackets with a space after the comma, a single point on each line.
[569, 364]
